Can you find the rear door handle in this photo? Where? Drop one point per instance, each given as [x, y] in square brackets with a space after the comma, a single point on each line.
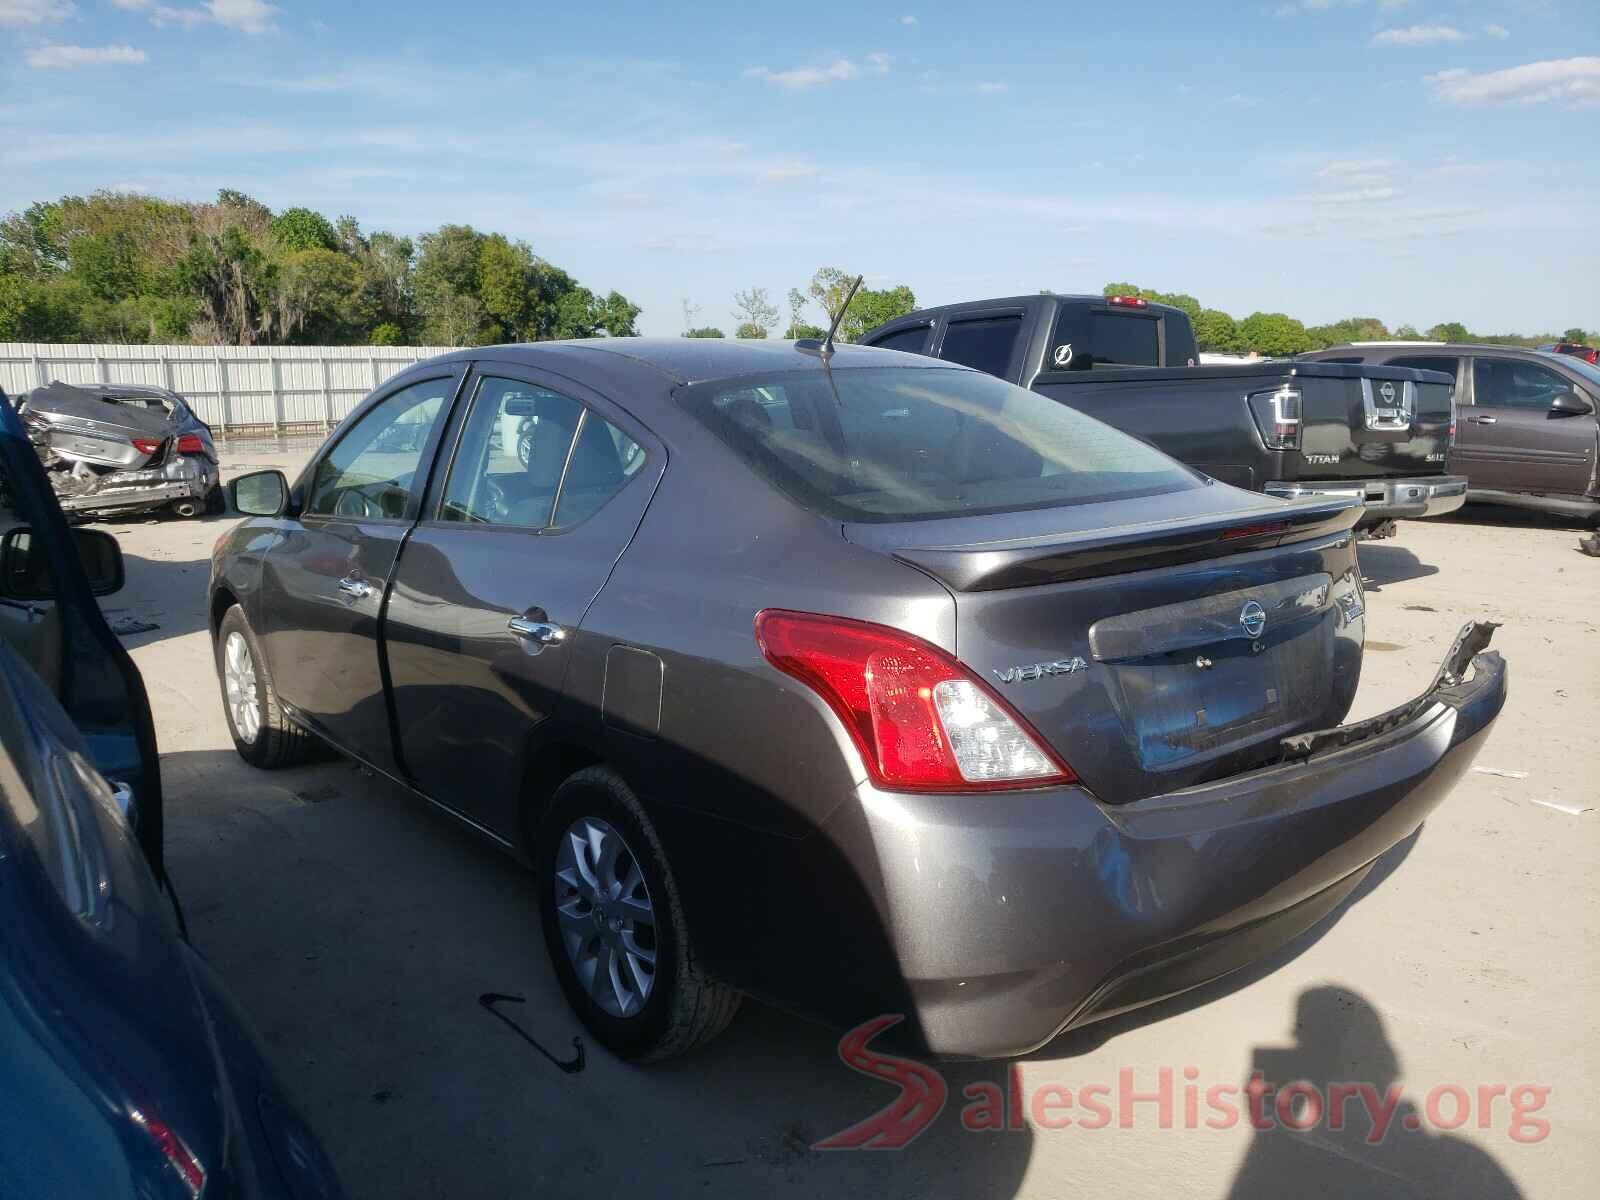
[543, 632]
[1485, 420]
[356, 589]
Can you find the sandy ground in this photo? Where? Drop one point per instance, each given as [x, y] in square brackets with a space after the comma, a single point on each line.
[360, 930]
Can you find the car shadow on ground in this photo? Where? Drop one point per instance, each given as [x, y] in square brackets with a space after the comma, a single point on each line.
[1385, 1146]
[1506, 517]
[360, 928]
[1383, 564]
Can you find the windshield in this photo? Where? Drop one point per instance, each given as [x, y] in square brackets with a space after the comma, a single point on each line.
[914, 443]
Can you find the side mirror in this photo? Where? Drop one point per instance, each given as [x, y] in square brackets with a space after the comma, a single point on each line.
[260, 494]
[25, 575]
[1570, 404]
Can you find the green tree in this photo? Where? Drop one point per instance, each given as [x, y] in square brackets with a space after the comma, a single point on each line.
[1407, 333]
[1274, 334]
[1449, 331]
[829, 287]
[1575, 335]
[704, 331]
[302, 229]
[872, 307]
[386, 334]
[1215, 331]
[754, 313]
[232, 283]
[319, 300]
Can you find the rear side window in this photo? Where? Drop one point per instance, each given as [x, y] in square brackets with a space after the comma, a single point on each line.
[533, 458]
[908, 443]
[1425, 362]
[984, 344]
[912, 341]
[1085, 338]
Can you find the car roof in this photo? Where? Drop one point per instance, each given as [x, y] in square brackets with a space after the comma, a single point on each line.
[692, 360]
[933, 312]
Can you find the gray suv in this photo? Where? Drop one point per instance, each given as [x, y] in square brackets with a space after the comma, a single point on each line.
[1527, 431]
[852, 679]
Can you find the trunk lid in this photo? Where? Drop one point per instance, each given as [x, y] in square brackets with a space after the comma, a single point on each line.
[1370, 422]
[80, 426]
[1154, 643]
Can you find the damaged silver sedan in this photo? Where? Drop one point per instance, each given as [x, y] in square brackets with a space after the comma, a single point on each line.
[122, 448]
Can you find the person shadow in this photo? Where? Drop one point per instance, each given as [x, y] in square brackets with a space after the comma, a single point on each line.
[1380, 1144]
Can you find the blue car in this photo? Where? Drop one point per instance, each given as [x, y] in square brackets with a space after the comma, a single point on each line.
[125, 1069]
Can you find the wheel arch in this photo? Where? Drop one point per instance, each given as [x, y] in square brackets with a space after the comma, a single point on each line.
[550, 763]
[221, 601]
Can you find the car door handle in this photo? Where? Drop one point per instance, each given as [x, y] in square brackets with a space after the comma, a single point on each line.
[1485, 420]
[542, 632]
[356, 589]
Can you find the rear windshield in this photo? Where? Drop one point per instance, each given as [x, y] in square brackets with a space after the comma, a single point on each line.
[908, 443]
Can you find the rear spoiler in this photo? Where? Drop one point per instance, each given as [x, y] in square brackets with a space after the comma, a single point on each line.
[1059, 557]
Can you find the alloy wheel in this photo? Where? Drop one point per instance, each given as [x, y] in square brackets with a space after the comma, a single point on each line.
[239, 684]
[603, 911]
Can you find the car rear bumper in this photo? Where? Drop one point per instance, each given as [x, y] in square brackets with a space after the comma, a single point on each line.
[1012, 917]
[1385, 499]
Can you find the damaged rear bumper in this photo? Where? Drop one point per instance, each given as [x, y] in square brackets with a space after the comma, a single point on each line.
[1015, 916]
[186, 477]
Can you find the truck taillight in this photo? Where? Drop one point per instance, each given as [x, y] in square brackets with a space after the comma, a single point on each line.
[1128, 301]
[921, 720]
[190, 443]
[1277, 417]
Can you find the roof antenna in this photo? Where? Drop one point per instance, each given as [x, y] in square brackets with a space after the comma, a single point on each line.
[824, 349]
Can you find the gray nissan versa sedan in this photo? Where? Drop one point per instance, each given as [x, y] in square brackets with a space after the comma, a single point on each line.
[851, 679]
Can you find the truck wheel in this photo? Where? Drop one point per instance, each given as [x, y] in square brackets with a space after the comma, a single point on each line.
[615, 928]
[261, 734]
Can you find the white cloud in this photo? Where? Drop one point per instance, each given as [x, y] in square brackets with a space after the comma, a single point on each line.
[1572, 79]
[34, 12]
[1366, 195]
[247, 16]
[1498, 32]
[837, 71]
[1356, 173]
[1418, 35]
[82, 56]
[789, 172]
[908, 19]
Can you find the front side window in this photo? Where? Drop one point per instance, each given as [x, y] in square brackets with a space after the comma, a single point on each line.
[909, 443]
[1511, 383]
[532, 458]
[984, 344]
[912, 341]
[372, 470]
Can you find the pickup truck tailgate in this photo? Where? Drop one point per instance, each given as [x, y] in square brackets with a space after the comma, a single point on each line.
[1370, 422]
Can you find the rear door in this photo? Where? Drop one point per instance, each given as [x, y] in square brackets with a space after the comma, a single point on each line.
[1509, 438]
[988, 340]
[323, 587]
[546, 483]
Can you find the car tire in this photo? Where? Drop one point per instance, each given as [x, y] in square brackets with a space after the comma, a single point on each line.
[682, 1008]
[262, 736]
[216, 501]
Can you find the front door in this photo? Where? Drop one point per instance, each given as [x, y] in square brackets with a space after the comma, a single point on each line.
[323, 586]
[546, 487]
[1510, 440]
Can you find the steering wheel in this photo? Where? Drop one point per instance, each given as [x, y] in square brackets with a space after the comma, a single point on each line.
[352, 503]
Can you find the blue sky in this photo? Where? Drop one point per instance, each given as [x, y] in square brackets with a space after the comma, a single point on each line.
[1417, 161]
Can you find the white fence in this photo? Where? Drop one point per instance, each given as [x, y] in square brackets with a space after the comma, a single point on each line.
[232, 388]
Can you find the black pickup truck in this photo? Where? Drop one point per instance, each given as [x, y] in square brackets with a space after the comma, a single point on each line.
[1285, 428]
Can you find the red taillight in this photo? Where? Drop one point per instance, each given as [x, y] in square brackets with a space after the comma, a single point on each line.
[1244, 531]
[190, 443]
[922, 721]
[1128, 301]
[1592, 357]
[146, 445]
[172, 1148]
